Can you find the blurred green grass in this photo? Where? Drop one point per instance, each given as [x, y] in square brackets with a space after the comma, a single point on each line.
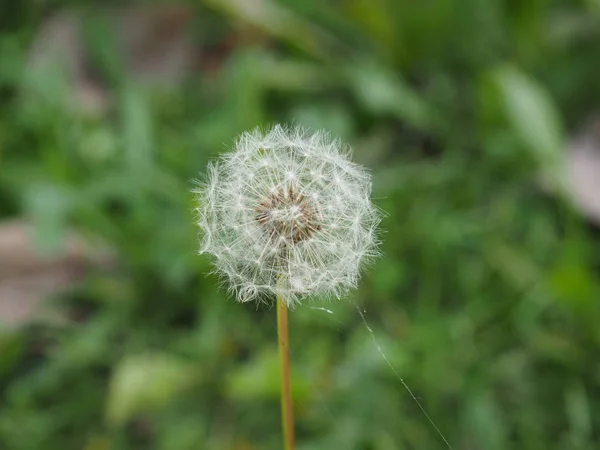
[486, 299]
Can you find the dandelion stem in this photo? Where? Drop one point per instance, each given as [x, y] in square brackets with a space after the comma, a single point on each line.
[287, 414]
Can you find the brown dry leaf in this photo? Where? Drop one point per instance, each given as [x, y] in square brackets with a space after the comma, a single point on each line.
[59, 43]
[27, 279]
[154, 40]
[583, 170]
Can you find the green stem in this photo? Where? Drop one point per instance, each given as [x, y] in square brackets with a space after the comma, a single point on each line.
[287, 414]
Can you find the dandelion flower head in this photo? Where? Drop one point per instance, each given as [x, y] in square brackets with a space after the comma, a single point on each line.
[287, 214]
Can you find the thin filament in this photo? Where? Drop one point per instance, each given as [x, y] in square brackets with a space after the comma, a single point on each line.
[409, 390]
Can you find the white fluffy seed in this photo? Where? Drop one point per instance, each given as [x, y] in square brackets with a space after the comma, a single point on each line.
[287, 213]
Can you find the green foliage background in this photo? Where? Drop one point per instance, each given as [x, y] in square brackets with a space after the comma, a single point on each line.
[486, 300]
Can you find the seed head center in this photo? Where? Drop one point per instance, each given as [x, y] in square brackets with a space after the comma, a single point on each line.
[289, 215]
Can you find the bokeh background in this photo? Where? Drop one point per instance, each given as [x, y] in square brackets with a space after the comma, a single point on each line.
[477, 121]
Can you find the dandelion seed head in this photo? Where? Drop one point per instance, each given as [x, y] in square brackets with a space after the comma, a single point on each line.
[287, 213]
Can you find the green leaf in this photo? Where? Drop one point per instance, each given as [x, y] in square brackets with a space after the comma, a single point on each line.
[486, 420]
[257, 379]
[577, 406]
[47, 206]
[381, 92]
[329, 116]
[532, 114]
[11, 349]
[147, 382]
[281, 22]
[260, 379]
[137, 134]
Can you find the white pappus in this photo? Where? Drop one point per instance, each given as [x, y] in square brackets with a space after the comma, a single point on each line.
[287, 214]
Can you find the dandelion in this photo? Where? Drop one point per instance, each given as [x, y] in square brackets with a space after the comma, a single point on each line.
[287, 215]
